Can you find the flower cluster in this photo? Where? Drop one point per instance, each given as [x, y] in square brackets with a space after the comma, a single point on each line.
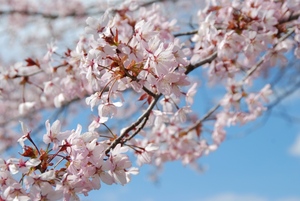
[72, 163]
[248, 37]
[240, 31]
[131, 52]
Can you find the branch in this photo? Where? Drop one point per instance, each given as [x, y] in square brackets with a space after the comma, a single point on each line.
[72, 14]
[289, 19]
[283, 96]
[47, 16]
[144, 116]
[205, 117]
[186, 33]
[209, 59]
[155, 1]
[139, 129]
[255, 67]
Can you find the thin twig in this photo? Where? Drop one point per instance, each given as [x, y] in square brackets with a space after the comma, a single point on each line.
[255, 67]
[249, 73]
[72, 14]
[270, 107]
[134, 125]
[186, 33]
[283, 96]
[139, 129]
[209, 59]
[205, 117]
[289, 19]
[47, 16]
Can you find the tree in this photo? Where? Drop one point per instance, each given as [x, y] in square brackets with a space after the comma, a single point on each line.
[135, 65]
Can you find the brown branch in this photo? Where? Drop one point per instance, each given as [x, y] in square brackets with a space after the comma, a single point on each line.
[283, 96]
[148, 91]
[72, 14]
[139, 129]
[155, 1]
[289, 19]
[125, 132]
[47, 16]
[205, 117]
[255, 67]
[186, 33]
[209, 59]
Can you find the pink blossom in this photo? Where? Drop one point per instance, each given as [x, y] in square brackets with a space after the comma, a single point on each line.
[144, 31]
[51, 50]
[277, 57]
[146, 154]
[230, 45]
[93, 100]
[255, 44]
[54, 135]
[108, 110]
[190, 94]
[25, 136]
[26, 107]
[181, 115]
[170, 83]
[95, 27]
[167, 103]
[15, 192]
[269, 20]
[59, 100]
[219, 133]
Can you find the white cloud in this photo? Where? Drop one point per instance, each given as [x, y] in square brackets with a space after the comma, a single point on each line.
[295, 148]
[235, 197]
[243, 197]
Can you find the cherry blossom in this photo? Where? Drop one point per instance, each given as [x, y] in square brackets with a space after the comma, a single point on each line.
[132, 64]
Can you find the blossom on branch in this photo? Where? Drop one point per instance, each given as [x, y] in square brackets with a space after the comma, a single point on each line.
[131, 65]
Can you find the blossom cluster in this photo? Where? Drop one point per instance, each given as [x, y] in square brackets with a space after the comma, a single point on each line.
[131, 52]
[82, 166]
[249, 38]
